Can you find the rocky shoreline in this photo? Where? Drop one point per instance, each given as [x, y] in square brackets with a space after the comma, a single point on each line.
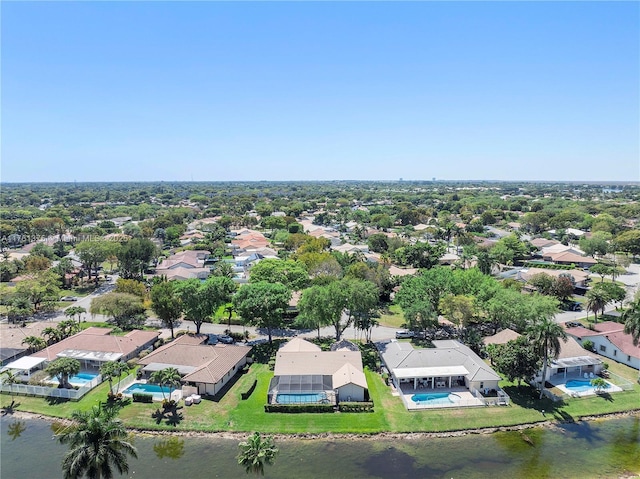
[347, 436]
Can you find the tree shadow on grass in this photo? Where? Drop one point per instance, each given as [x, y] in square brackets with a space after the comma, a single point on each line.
[527, 397]
[172, 416]
[11, 408]
[54, 401]
[606, 396]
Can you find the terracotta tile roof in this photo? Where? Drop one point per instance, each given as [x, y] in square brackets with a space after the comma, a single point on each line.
[624, 342]
[99, 340]
[212, 363]
[502, 337]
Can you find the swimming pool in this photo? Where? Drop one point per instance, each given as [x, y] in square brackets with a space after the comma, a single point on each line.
[282, 398]
[79, 379]
[436, 399]
[147, 388]
[581, 385]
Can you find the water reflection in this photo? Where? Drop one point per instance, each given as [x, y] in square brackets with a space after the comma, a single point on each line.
[172, 448]
[16, 428]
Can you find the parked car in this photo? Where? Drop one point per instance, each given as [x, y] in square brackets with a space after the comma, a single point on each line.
[223, 338]
[69, 298]
[405, 333]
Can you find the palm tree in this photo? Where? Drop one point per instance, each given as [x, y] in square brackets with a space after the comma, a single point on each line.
[10, 378]
[75, 311]
[111, 370]
[597, 300]
[255, 452]
[98, 442]
[52, 334]
[35, 343]
[545, 335]
[631, 319]
[229, 309]
[166, 377]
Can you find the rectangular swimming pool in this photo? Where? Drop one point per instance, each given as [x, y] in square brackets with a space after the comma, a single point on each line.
[79, 379]
[308, 398]
[147, 388]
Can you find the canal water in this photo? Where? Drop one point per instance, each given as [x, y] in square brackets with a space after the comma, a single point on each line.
[607, 448]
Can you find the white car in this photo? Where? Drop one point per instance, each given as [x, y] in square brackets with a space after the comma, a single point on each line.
[405, 333]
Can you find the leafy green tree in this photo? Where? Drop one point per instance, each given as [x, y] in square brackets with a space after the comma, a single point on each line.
[563, 287]
[93, 253]
[517, 359]
[599, 384]
[40, 289]
[134, 257]
[62, 369]
[459, 309]
[98, 444]
[201, 300]
[262, 304]
[431, 284]
[287, 272]
[542, 282]
[131, 286]
[126, 310]
[597, 244]
[545, 335]
[319, 306]
[629, 242]
[361, 302]
[167, 304]
[421, 316]
[255, 452]
[420, 255]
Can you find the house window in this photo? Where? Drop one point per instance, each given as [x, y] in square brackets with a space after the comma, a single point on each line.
[629, 358]
[603, 348]
[615, 352]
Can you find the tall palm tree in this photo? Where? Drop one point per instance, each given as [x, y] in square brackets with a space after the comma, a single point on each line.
[597, 300]
[255, 452]
[166, 377]
[75, 311]
[98, 443]
[545, 334]
[631, 319]
[52, 334]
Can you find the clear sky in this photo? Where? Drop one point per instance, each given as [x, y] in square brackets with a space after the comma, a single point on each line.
[208, 91]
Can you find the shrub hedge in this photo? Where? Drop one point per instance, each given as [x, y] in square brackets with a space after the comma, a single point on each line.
[142, 397]
[298, 408]
[355, 407]
[245, 395]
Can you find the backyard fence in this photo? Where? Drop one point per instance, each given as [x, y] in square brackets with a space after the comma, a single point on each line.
[125, 383]
[48, 391]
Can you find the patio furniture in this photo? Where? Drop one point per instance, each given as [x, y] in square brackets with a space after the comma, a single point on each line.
[196, 398]
[188, 401]
[591, 376]
[586, 376]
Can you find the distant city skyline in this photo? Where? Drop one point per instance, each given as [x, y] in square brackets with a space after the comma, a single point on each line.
[221, 91]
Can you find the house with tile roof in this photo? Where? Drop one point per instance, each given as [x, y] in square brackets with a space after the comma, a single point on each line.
[609, 340]
[302, 370]
[449, 364]
[206, 367]
[95, 346]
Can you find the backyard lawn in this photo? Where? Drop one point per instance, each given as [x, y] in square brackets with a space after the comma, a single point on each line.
[230, 413]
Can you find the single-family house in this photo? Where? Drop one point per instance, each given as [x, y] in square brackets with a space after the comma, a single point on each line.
[450, 363]
[95, 346]
[580, 278]
[206, 367]
[609, 340]
[304, 373]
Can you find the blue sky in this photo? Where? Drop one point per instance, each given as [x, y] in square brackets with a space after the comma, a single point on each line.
[110, 91]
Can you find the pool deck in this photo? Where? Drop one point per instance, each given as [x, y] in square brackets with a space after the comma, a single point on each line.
[466, 398]
[589, 392]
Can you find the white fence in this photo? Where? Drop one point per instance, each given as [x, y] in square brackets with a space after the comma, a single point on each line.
[47, 391]
[125, 383]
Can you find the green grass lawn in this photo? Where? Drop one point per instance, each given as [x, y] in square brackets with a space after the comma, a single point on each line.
[393, 318]
[231, 413]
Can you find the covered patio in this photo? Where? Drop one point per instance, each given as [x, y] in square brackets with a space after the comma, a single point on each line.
[435, 377]
[578, 367]
[25, 366]
[90, 360]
